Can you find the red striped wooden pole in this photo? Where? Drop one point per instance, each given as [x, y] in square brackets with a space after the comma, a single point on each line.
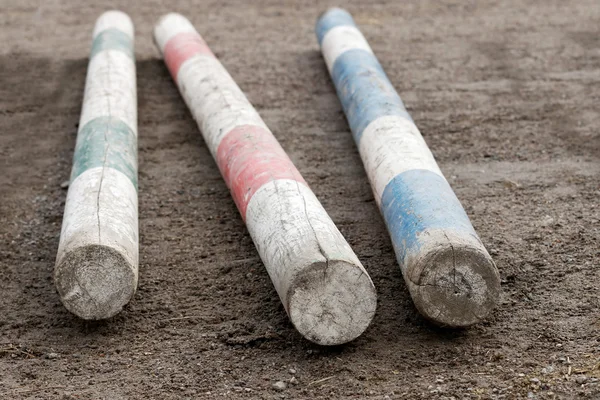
[324, 288]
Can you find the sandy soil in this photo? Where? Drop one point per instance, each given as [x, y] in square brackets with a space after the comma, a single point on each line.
[505, 93]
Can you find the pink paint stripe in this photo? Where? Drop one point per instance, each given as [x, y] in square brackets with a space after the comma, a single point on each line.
[181, 48]
[250, 156]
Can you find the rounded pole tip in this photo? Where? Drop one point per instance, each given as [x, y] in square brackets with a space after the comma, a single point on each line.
[114, 19]
[95, 282]
[169, 25]
[458, 286]
[334, 10]
[332, 303]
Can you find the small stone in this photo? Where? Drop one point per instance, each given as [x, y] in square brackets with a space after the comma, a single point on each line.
[65, 184]
[52, 356]
[535, 381]
[547, 221]
[280, 386]
[292, 371]
[510, 184]
[293, 380]
[581, 379]
[547, 370]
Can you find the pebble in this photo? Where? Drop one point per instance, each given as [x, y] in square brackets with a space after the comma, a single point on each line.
[535, 381]
[52, 356]
[548, 370]
[547, 221]
[292, 371]
[581, 379]
[280, 386]
[65, 184]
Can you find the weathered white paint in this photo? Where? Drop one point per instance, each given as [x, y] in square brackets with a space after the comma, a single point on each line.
[110, 89]
[101, 210]
[170, 25]
[215, 100]
[391, 145]
[114, 19]
[340, 39]
[322, 284]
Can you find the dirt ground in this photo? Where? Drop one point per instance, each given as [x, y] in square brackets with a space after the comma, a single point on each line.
[506, 95]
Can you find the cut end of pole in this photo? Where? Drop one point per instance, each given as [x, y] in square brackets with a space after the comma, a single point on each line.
[332, 303]
[95, 281]
[458, 286]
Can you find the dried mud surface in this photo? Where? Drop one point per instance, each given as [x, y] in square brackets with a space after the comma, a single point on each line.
[506, 95]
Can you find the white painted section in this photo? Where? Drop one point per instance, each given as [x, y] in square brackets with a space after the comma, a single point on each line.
[101, 208]
[341, 39]
[326, 291]
[116, 20]
[215, 100]
[292, 230]
[110, 89]
[170, 25]
[96, 270]
[391, 145]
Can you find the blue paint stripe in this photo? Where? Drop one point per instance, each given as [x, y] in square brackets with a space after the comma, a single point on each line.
[365, 91]
[417, 200]
[112, 39]
[106, 142]
[330, 19]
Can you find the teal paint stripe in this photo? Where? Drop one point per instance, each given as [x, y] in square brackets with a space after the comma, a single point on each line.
[108, 142]
[112, 39]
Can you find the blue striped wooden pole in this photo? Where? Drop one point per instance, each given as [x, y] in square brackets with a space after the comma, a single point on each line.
[451, 277]
[96, 269]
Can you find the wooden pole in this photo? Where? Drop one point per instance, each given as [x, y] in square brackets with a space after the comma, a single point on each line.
[324, 288]
[451, 277]
[96, 268]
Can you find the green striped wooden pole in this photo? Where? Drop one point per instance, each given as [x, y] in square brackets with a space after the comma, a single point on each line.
[96, 268]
